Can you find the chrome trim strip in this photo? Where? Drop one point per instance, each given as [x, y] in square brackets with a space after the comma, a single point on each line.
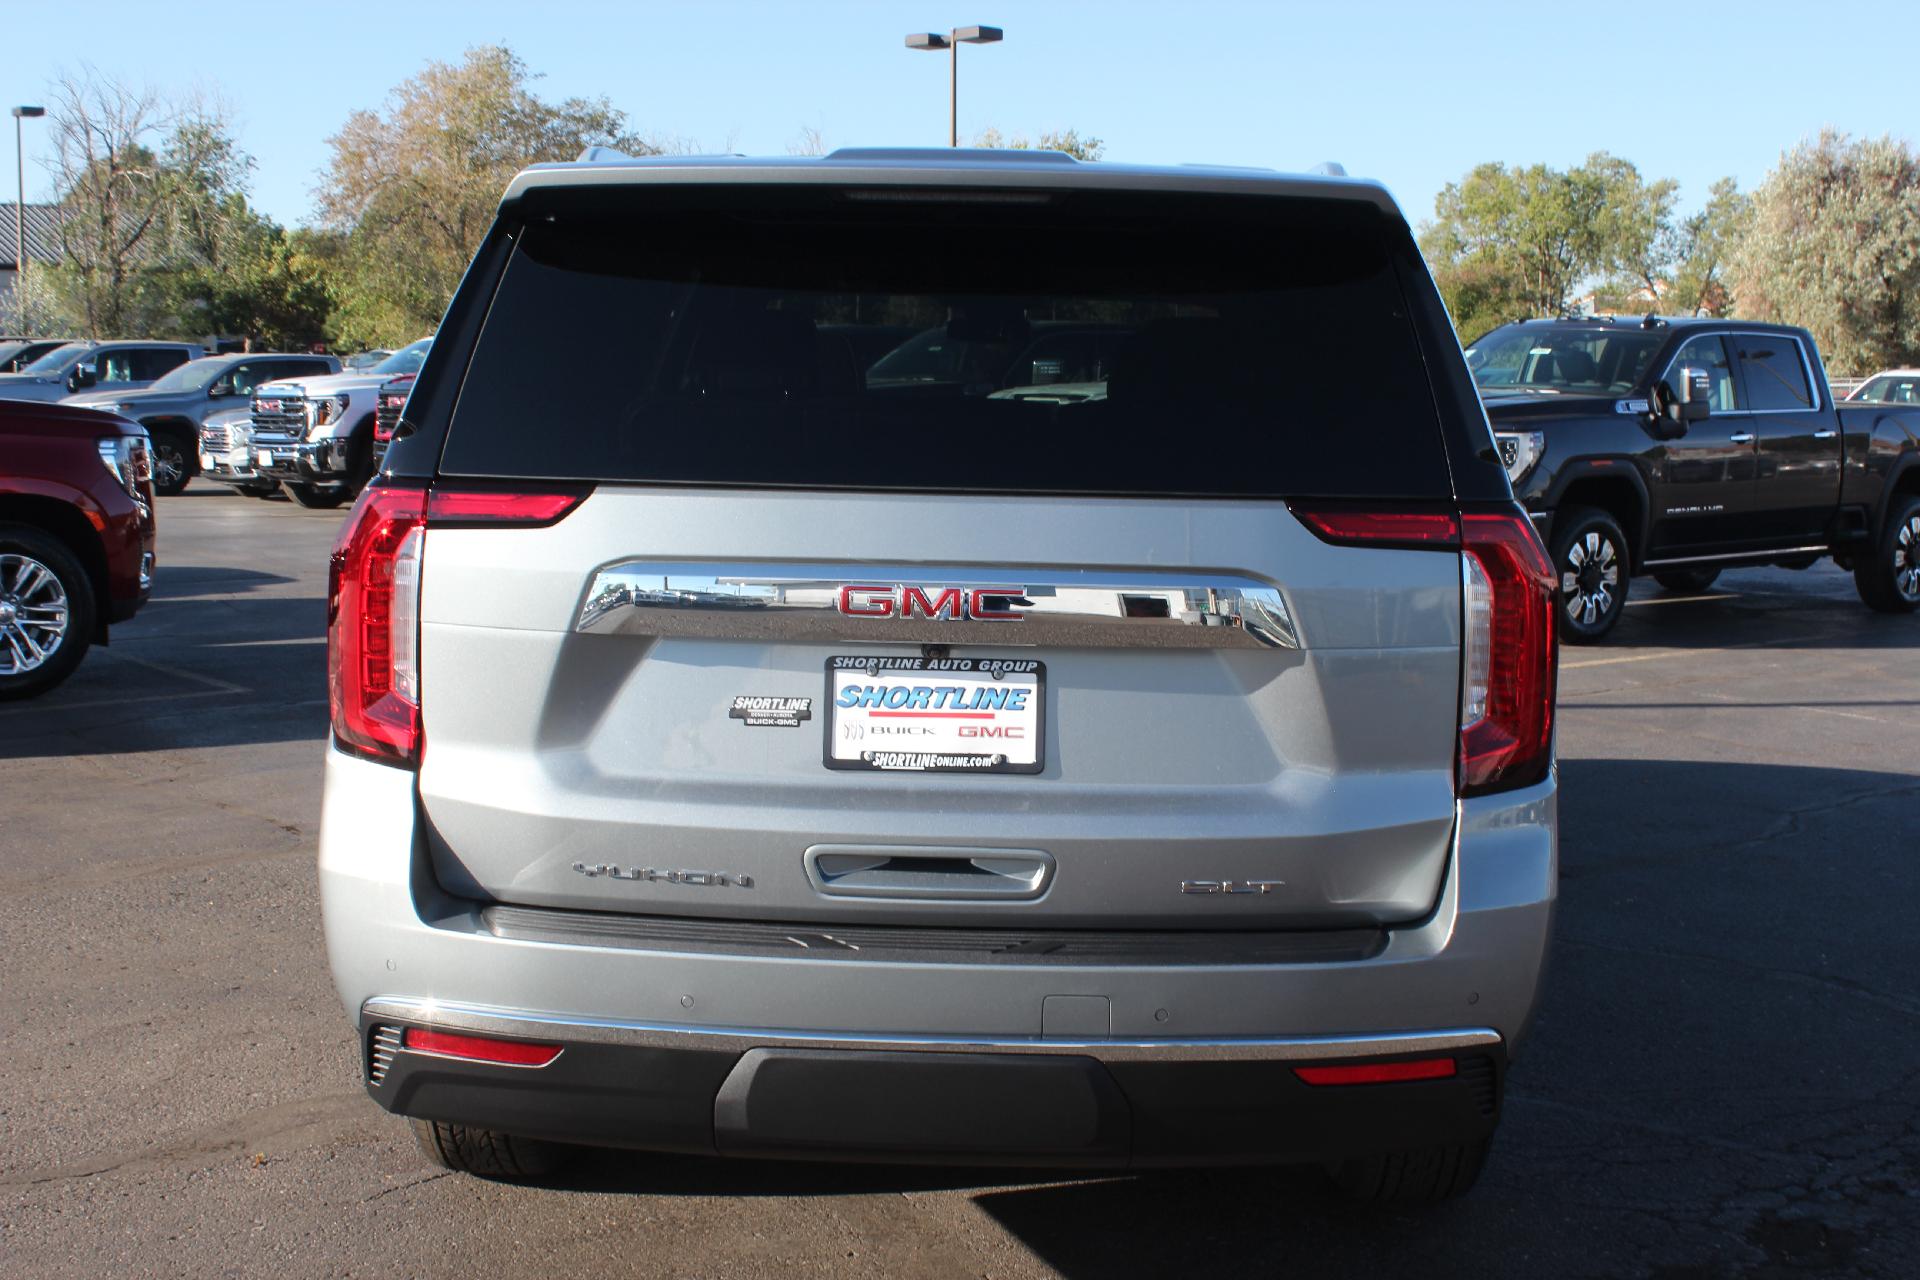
[1772, 553]
[1064, 609]
[538, 1026]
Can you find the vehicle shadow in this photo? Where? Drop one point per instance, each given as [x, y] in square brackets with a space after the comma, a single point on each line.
[1813, 608]
[187, 672]
[1719, 1081]
[172, 582]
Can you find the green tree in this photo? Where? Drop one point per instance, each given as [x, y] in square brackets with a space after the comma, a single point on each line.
[1067, 140]
[1508, 243]
[413, 188]
[261, 283]
[134, 174]
[1833, 243]
[1699, 247]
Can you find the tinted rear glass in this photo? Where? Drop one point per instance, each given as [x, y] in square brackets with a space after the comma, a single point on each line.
[1080, 343]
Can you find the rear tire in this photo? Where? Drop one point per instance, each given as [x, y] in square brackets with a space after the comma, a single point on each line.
[1888, 579]
[1590, 558]
[1686, 581]
[319, 497]
[46, 602]
[1410, 1179]
[486, 1153]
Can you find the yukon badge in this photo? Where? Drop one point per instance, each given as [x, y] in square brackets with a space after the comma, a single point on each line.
[664, 875]
[950, 604]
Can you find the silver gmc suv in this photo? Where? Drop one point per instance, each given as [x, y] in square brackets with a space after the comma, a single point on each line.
[761, 755]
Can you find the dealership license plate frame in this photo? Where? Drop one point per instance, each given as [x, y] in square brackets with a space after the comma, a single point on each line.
[1029, 673]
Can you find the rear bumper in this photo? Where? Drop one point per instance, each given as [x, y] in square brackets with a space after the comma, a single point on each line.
[1088, 1104]
[1146, 1063]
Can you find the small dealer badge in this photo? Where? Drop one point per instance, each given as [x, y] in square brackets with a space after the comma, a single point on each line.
[771, 713]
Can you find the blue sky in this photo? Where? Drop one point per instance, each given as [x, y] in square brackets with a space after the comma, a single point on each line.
[1411, 93]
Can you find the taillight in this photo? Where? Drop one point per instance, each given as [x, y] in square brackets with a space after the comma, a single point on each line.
[1510, 653]
[373, 593]
[1423, 530]
[1509, 649]
[373, 606]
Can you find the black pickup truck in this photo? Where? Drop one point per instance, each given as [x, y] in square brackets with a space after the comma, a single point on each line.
[1682, 447]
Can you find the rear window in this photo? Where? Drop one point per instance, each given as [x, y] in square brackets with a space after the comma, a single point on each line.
[962, 341]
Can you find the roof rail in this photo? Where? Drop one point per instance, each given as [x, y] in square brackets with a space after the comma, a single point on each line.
[1018, 155]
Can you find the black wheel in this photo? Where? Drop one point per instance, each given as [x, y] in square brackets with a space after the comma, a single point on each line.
[319, 496]
[1889, 579]
[1408, 1179]
[173, 463]
[1590, 555]
[486, 1153]
[1686, 581]
[47, 610]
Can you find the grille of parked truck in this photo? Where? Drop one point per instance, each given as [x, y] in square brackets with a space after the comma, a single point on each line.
[791, 748]
[315, 436]
[1679, 448]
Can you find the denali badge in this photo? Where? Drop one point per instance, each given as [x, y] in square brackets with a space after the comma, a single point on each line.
[949, 604]
[771, 713]
[659, 875]
[1231, 886]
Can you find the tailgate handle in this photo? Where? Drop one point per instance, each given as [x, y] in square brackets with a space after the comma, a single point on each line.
[930, 872]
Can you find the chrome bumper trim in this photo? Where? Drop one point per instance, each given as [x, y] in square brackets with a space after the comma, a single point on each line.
[807, 602]
[522, 1025]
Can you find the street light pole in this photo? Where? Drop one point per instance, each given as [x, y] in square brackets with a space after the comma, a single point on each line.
[930, 41]
[20, 198]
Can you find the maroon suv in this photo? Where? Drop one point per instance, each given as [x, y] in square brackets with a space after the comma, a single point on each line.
[76, 537]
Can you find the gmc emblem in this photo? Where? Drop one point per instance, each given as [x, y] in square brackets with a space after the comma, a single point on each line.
[949, 604]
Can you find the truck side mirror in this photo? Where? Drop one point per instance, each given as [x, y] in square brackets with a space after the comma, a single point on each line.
[83, 376]
[1696, 393]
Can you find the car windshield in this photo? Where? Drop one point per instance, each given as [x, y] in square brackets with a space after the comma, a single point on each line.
[58, 359]
[1562, 360]
[194, 375]
[407, 359]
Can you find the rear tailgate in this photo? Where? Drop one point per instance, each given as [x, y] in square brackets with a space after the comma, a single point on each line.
[1312, 772]
[1204, 715]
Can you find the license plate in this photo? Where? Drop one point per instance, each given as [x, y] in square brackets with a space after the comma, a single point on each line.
[935, 715]
[236, 458]
[266, 458]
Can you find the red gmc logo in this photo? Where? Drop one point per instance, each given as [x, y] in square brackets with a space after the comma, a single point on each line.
[950, 604]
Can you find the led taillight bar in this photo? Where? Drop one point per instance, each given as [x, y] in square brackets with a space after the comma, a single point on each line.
[449, 1044]
[1379, 1072]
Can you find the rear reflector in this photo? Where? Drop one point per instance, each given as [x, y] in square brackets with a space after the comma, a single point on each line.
[1375, 1072]
[511, 1053]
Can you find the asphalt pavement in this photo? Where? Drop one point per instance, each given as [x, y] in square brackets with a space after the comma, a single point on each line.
[1721, 1081]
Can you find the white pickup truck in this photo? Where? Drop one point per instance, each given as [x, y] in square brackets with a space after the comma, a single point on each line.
[315, 435]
